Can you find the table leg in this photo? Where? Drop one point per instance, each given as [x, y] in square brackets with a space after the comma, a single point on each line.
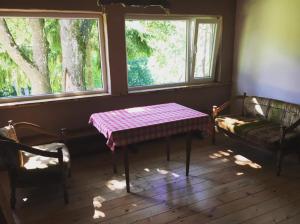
[188, 152]
[114, 161]
[126, 165]
[168, 148]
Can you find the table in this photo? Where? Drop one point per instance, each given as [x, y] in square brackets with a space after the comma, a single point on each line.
[124, 127]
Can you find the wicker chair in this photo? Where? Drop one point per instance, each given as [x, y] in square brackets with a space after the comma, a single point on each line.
[34, 166]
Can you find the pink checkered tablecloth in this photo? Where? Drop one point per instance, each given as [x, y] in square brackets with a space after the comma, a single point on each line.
[138, 124]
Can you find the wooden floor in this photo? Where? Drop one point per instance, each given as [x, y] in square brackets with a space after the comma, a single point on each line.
[228, 183]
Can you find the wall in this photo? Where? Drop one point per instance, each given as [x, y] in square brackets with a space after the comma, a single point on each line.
[75, 113]
[267, 49]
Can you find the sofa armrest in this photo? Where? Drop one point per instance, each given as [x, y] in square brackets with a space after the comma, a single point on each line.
[285, 130]
[293, 126]
[218, 109]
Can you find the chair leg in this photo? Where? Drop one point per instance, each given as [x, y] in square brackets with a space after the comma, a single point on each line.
[168, 148]
[114, 162]
[214, 135]
[13, 199]
[66, 195]
[69, 173]
[280, 156]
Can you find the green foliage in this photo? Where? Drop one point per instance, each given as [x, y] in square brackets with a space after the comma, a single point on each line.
[52, 33]
[19, 30]
[144, 43]
[137, 44]
[150, 46]
[138, 73]
[13, 82]
[92, 56]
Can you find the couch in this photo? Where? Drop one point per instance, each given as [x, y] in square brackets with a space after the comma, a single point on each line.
[262, 122]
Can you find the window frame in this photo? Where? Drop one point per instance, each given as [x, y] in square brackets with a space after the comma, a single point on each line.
[217, 42]
[102, 49]
[190, 58]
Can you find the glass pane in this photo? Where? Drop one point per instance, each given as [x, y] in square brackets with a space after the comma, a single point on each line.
[40, 56]
[156, 52]
[205, 50]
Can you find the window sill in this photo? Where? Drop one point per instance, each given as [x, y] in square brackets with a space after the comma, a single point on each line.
[34, 102]
[182, 87]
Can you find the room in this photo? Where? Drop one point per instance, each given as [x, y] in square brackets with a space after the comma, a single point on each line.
[175, 59]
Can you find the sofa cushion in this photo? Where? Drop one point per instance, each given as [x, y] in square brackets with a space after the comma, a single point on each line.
[268, 134]
[235, 123]
[253, 129]
[39, 170]
[256, 106]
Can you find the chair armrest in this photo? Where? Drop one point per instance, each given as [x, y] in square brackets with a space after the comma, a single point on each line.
[26, 148]
[35, 128]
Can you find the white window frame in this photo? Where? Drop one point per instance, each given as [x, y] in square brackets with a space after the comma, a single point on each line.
[216, 49]
[190, 52]
[58, 15]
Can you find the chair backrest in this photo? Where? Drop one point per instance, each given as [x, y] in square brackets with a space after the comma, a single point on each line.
[284, 113]
[276, 111]
[9, 133]
[256, 106]
[9, 154]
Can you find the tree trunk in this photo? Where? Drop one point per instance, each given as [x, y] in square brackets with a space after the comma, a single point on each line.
[72, 56]
[89, 66]
[40, 51]
[39, 83]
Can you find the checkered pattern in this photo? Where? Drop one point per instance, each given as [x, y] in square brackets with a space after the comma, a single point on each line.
[133, 125]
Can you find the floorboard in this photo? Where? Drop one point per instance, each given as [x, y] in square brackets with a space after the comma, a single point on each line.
[228, 183]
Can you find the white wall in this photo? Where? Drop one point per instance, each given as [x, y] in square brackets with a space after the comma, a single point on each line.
[267, 49]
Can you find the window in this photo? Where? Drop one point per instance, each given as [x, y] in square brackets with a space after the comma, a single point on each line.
[51, 56]
[171, 51]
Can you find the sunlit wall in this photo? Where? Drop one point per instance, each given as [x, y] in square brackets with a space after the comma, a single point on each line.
[267, 49]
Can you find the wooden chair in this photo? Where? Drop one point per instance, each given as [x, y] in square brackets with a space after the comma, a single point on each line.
[34, 166]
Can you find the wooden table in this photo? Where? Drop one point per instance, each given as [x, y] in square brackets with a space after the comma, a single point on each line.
[124, 127]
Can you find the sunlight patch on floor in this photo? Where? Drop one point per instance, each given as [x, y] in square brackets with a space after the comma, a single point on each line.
[224, 153]
[243, 161]
[165, 172]
[239, 159]
[225, 160]
[116, 184]
[221, 154]
[97, 203]
[239, 173]
[98, 214]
